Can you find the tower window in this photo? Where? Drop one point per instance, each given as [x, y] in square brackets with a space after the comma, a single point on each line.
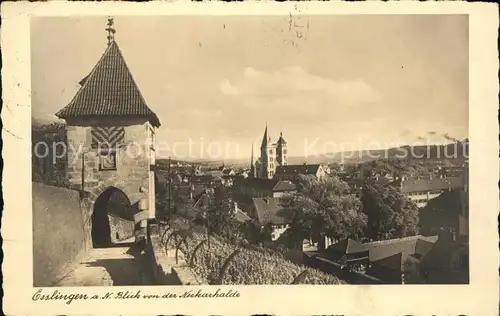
[107, 159]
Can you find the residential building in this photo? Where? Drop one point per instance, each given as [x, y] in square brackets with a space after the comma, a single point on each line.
[205, 181]
[200, 170]
[228, 172]
[266, 214]
[449, 211]
[293, 172]
[421, 191]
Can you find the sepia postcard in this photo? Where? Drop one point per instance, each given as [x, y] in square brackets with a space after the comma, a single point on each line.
[250, 158]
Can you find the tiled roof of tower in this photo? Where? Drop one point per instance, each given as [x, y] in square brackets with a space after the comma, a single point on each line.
[109, 90]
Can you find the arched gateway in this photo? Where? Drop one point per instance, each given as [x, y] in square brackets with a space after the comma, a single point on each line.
[112, 218]
[111, 148]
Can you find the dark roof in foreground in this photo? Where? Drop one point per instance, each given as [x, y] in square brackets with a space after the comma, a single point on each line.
[267, 210]
[390, 253]
[109, 90]
[444, 211]
[418, 245]
[347, 246]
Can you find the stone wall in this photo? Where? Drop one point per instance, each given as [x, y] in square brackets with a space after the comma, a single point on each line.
[166, 269]
[58, 232]
[121, 229]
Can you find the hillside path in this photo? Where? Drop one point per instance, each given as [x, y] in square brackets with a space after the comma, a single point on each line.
[121, 264]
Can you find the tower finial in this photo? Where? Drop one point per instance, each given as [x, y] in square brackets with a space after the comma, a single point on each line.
[111, 30]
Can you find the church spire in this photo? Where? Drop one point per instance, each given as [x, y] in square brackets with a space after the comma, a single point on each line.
[111, 30]
[265, 139]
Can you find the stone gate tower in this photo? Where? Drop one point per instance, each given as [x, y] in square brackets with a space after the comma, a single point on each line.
[111, 133]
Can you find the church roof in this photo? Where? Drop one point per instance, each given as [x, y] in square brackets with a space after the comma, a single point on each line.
[109, 90]
[298, 169]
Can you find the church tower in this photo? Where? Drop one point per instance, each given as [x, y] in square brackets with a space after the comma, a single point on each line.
[281, 152]
[267, 157]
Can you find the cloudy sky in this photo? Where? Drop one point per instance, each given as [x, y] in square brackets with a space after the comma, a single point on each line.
[326, 82]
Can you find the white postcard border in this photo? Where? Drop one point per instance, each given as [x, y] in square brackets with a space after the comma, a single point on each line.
[480, 297]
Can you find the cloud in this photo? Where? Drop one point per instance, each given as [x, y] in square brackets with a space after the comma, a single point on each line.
[226, 88]
[406, 132]
[291, 82]
[448, 137]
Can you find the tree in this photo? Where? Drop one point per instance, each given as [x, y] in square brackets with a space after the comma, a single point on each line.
[49, 157]
[218, 215]
[324, 207]
[390, 213]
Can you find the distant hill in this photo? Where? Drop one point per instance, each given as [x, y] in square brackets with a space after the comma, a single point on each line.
[453, 153]
[456, 152]
[163, 161]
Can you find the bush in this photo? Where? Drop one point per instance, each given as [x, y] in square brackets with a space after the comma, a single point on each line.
[45, 167]
[247, 267]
